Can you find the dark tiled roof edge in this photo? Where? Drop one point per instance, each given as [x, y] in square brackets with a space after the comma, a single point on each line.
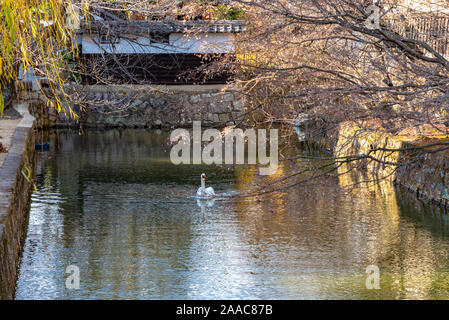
[176, 26]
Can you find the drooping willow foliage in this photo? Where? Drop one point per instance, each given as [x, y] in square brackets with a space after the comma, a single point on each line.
[36, 36]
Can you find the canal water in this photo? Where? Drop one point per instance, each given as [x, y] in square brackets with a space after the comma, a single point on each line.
[112, 204]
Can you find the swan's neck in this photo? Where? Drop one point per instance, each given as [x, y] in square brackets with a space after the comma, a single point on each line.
[203, 184]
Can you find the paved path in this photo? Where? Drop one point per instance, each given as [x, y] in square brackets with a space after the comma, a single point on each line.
[10, 122]
[7, 128]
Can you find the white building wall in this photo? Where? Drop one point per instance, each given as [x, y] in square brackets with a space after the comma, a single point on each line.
[178, 43]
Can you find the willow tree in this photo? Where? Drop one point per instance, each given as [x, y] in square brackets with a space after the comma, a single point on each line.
[37, 37]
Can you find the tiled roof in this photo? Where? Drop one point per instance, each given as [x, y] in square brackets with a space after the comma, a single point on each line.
[146, 27]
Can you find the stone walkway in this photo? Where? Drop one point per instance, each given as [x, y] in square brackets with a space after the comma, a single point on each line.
[7, 128]
[13, 118]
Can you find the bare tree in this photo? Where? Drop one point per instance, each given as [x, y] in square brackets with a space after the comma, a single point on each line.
[382, 67]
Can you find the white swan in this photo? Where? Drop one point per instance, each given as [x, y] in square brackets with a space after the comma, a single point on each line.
[203, 192]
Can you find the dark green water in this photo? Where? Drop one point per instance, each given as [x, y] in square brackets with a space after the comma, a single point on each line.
[114, 205]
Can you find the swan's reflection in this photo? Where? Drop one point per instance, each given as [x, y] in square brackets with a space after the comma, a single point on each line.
[203, 204]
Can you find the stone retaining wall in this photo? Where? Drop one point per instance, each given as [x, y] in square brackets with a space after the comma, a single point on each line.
[143, 107]
[428, 177]
[15, 191]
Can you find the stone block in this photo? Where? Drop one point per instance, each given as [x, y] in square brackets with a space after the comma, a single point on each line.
[237, 116]
[239, 105]
[135, 105]
[195, 99]
[222, 107]
[209, 117]
[229, 97]
[224, 117]
[143, 106]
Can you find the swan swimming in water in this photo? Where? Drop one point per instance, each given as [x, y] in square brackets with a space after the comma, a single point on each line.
[203, 192]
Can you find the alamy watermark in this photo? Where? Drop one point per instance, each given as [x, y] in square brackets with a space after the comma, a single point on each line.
[73, 280]
[212, 153]
[373, 279]
[373, 20]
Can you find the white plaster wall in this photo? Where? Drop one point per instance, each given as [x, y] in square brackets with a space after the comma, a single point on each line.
[205, 43]
[179, 43]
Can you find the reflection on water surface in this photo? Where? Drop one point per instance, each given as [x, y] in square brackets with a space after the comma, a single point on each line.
[113, 204]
